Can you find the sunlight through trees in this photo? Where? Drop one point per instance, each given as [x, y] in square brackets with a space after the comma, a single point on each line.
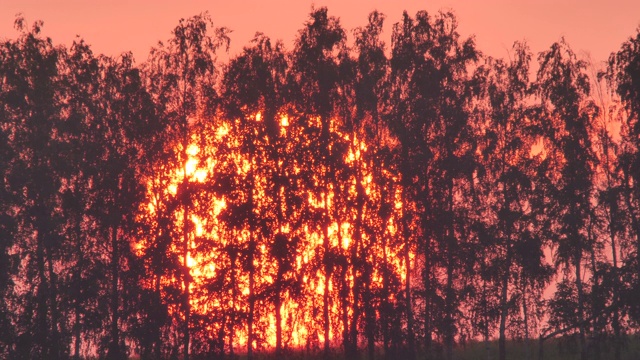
[345, 197]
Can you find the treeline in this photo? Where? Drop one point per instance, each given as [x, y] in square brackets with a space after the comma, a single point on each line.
[340, 197]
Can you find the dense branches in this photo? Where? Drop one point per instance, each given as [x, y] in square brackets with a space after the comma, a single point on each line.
[324, 199]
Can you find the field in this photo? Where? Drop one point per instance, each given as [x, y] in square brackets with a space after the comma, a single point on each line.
[555, 349]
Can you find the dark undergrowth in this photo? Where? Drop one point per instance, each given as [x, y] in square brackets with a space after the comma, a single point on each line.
[565, 348]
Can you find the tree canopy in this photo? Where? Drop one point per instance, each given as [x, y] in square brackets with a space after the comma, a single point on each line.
[346, 196]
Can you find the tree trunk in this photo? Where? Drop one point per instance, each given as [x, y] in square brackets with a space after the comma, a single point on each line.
[77, 306]
[55, 345]
[616, 317]
[427, 314]
[186, 275]
[635, 220]
[41, 333]
[595, 308]
[279, 277]
[504, 304]
[407, 282]
[449, 290]
[114, 345]
[449, 309]
[278, 304]
[355, 265]
[344, 294]
[156, 332]
[77, 333]
[252, 303]
[234, 296]
[581, 327]
[385, 317]
[525, 313]
[325, 295]
[370, 318]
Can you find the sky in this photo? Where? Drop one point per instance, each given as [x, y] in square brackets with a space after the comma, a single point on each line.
[593, 28]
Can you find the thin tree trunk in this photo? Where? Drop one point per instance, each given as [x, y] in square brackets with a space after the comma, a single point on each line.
[485, 311]
[77, 333]
[427, 313]
[327, 169]
[250, 260]
[369, 318]
[407, 282]
[344, 294]
[278, 304]
[250, 334]
[449, 291]
[635, 220]
[114, 346]
[616, 317]
[279, 275]
[448, 336]
[525, 312]
[41, 333]
[595, 308]
[55, 345]
[504, 304]
[77, 293]
[384, 314]
[609, 206]
[156, 341]
[234, 296]
[187, 273]
[355, 264]
[581, 327]
[325, 295]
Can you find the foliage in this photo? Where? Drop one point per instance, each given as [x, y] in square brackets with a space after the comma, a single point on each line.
[336, 200]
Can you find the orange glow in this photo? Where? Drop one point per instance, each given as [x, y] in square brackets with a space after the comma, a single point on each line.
[299, 326]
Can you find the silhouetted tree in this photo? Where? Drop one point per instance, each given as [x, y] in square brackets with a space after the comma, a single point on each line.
[9, 197]
[514, 253]
[622, 75]
[563, 87]
[32, 101]
[180, 76]
[430, 78]
[120, 135]
[252, 88]
[371, 67]
[316, 70]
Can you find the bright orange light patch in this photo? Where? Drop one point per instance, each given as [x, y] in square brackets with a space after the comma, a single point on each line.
[299, 326]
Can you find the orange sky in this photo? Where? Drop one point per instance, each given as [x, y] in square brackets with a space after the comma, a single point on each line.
[111, 27]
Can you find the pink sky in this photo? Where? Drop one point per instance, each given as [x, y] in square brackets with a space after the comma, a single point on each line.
[111, 27]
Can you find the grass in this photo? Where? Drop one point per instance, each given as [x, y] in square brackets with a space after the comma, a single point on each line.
[565, 348]
[554, 349]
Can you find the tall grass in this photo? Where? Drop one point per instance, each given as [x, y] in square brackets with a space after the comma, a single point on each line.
[565, 348]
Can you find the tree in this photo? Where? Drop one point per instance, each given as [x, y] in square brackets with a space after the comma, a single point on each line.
[180, 77]
[8, 199]
[611, 224]
[253, 85]
[120, 136]
[622, 75]
[32, 102]
[372, 215]
[563, 88]
[513, 257]
[316, 77]
[431, 120]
